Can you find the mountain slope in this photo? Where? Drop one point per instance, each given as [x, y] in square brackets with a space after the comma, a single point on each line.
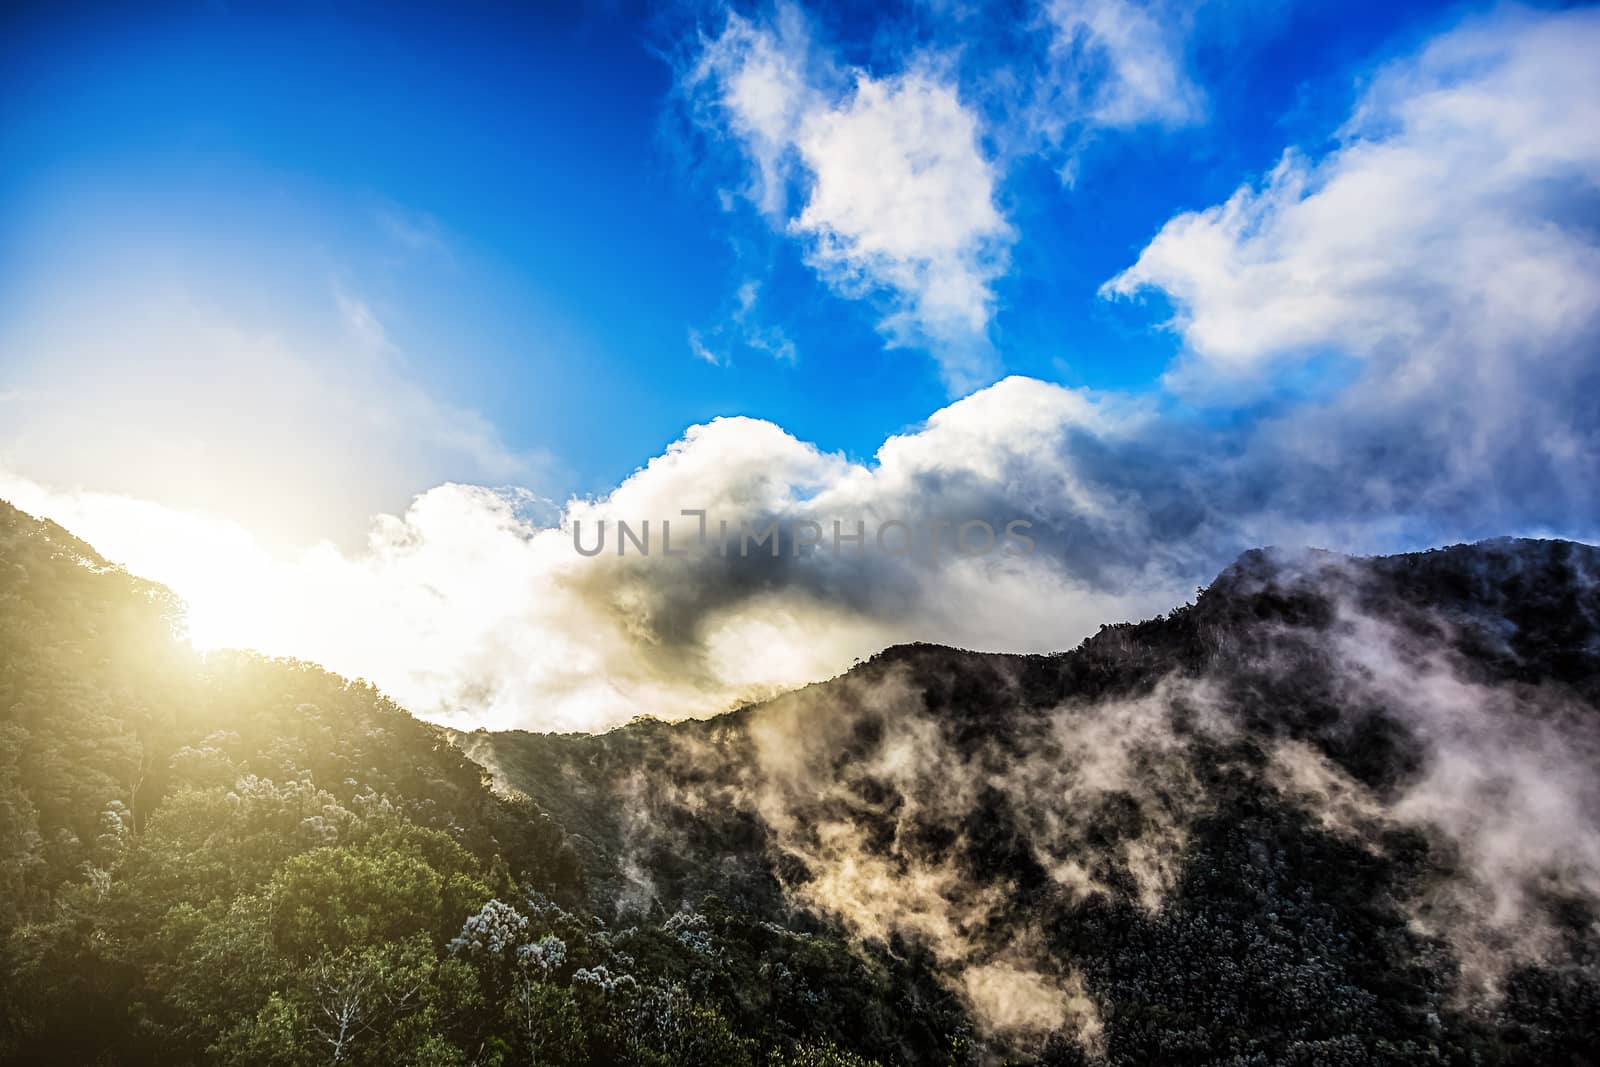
[236, 860]
[1337, 810]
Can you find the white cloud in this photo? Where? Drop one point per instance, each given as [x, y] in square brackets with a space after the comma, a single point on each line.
[1118, 63]
[1438, 236]
[899, 199]
[903, 198]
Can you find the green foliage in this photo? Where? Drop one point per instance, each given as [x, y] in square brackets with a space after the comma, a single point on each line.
[234, 860]
[546, 1020]
[819, 1054]
[337, 898]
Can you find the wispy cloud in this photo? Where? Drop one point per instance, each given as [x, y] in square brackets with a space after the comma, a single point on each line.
[698, 347]
[299, 428]
[1117, 63]
[744, 326]
[418, 233]
[363, 325]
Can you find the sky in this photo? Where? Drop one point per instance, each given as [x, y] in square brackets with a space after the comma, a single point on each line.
[337, 317]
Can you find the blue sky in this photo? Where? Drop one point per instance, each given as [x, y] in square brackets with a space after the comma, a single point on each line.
[568, 238]
[336, 317]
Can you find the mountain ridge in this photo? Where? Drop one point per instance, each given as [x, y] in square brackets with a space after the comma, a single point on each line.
[1267, 671]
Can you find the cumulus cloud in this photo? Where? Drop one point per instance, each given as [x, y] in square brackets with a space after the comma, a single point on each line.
[1437, 237]
[902, 197]
[1429, 282]
[468, 603]
[899, 198]
[892, 181]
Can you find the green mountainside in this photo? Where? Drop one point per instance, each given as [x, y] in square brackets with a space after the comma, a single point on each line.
[1336, 811]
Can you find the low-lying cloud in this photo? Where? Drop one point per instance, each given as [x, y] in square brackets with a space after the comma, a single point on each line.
[974, 806]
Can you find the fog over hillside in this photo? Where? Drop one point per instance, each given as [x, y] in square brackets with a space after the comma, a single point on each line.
[1425, 723]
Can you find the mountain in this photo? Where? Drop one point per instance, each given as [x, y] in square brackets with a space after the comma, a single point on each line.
[1336, 811]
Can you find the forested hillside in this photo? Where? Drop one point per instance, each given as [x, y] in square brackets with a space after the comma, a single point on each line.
[229, 859]
[1335, 812]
